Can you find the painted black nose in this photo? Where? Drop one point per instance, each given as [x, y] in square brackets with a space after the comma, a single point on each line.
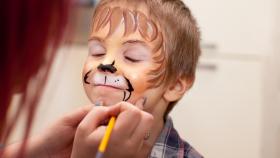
[107, 68]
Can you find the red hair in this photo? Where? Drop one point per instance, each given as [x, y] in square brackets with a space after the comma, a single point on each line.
[31, 31]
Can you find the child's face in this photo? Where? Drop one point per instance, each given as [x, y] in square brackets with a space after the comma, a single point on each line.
[119, 65]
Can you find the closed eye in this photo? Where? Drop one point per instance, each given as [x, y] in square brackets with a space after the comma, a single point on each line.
[98, 55]
[135, 53]
[132, 59]
[96, 49]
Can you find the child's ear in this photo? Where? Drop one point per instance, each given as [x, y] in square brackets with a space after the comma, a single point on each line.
[177, 89]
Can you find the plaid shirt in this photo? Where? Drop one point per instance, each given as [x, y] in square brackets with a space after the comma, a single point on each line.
[170, 145]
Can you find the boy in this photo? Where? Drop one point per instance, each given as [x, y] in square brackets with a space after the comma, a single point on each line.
[144, 50]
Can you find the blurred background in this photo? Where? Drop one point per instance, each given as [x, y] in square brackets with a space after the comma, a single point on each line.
[232, 110]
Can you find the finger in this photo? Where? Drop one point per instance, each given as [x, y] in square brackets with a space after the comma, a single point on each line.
[75, 117]
[143, 128]
[127, 120]
[96, 136]
[93, 119]
[116, 109]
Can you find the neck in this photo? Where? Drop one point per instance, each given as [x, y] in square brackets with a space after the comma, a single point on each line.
[158, 112]
[154, 134]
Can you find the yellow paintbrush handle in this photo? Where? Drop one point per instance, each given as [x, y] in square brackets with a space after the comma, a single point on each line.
[106, 137]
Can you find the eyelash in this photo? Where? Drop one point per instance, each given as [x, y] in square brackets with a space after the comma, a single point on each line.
[97, 55]
[96, 50]
[131, 59]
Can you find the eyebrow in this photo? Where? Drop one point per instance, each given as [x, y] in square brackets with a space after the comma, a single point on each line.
[96, 38]
[135, 42]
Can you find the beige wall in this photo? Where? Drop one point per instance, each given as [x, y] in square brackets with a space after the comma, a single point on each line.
[64, 90]
[222, 114]
[271, 123]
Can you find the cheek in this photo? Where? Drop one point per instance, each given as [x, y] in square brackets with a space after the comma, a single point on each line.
[89, 65]
[139, 78]
[138, 81]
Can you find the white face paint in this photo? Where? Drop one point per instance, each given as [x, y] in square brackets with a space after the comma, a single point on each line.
[113, 81]
[101, 79]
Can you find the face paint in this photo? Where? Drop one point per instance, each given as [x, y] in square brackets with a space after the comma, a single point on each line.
[137, 57]
[130, 24]
[110, 80]
[146, 27]
[109, 67]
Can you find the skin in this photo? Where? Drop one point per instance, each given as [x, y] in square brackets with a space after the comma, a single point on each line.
[126, 138]
[46, 144]
[83, 124]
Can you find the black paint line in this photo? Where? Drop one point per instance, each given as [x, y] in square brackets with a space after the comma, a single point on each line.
[130, 88]
[108, 67]
[128, 96]
[86, 77]
[124, 94]
[105, 80]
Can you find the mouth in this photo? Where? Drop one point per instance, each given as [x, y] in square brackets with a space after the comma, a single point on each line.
[110, 80]
[109, 86]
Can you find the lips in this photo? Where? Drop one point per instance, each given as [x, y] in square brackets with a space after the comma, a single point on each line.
[109, 80]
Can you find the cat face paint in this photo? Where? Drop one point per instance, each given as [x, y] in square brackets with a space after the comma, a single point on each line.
[126, 56]
[109, 80]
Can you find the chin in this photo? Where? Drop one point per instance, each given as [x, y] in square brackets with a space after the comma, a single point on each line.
[107, 100]
[107, 95]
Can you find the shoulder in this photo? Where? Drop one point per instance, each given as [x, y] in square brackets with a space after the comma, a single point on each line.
[171, 145]
[190, 152]
[180, 147]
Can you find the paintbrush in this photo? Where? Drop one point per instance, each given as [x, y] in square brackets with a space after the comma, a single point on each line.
[104, 142]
